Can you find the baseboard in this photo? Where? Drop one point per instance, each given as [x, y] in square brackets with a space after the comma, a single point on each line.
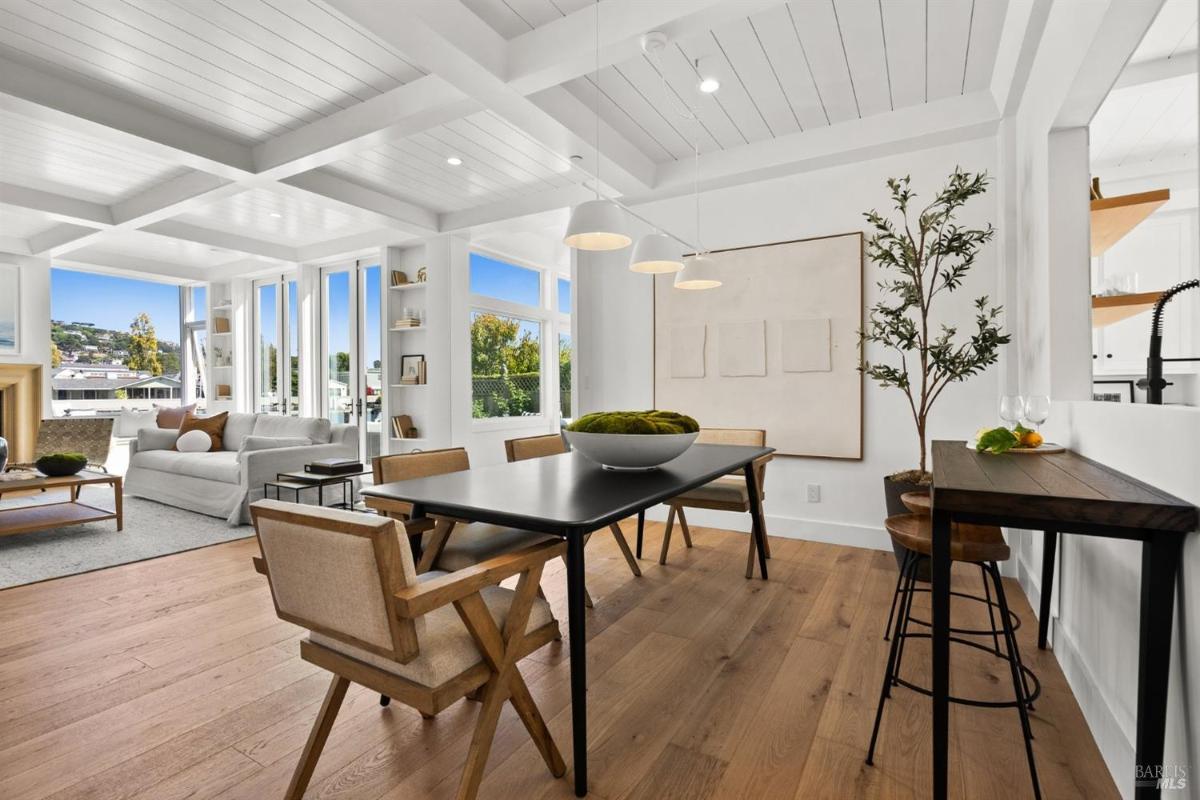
[814, 530]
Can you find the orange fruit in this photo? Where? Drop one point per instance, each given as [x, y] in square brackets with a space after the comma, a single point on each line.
[1031, 439]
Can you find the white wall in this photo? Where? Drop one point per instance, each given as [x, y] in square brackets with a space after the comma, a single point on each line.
[34, 318]
[615, 329]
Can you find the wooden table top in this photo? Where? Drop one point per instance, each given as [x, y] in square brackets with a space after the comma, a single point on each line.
[37, 480]
[1063, 487]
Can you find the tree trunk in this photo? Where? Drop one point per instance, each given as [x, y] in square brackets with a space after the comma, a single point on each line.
[921, 438]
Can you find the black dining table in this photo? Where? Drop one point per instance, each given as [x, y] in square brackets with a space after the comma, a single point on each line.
[570, 496]
[1062, 493]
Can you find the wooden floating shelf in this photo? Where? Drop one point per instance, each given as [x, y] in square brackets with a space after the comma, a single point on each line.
[405, 330]
[1107, 309]
[1114, 217]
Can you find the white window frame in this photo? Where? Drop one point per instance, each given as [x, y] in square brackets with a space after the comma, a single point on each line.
[283, 344]
[552, 321]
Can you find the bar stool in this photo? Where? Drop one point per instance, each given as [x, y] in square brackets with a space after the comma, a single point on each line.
[983, 546]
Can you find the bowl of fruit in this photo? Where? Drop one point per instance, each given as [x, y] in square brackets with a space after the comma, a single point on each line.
[1018, 439]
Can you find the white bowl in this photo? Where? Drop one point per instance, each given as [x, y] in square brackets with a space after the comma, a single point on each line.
[630, 451]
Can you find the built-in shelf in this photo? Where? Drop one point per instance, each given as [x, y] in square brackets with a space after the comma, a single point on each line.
[406, 330]
[419, 440]
[406, 385]
[223, 307]
[405, 287]
[222, 333]
[1107, 309]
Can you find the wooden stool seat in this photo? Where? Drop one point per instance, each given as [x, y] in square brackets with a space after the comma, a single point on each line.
[917, 502]
[973, 543]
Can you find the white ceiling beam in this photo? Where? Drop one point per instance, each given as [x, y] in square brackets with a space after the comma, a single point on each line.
[97, 260]
[1158, 69]
[417, 106]
[60, 207]
[564, 49]
[172, 197]
[353, 243]
[447, 38]
[1024, 22]
[61, 239]
[384, 209]
[46, 97]
[15, 246]
[560, 197]
[222, 239]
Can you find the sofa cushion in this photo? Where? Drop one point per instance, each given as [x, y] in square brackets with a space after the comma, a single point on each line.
[219, 466]
[132, 420]
[315, 429]
[252, 443]
[237, 427]
[156, 439]
[173, 416]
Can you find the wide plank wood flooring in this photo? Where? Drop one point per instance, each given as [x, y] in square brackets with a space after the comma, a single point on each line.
[172, 679]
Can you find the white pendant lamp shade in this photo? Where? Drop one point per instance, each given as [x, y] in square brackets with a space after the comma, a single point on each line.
[597, 225]
[655, 253]
[699, 272]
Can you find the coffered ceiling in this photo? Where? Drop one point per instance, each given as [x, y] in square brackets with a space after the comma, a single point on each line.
[252, 132]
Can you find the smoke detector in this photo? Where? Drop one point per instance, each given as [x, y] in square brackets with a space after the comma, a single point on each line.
[653, 42]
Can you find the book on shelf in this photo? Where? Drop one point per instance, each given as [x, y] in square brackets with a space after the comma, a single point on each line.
[402, 427]
[421, 372]
[224, 390]
[399, 278]
[406, 322]
[221, 325]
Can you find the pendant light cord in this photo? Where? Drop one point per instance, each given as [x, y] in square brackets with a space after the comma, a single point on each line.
[597, 99]
[696, 193]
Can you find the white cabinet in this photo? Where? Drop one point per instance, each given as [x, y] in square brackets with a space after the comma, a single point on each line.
[1161, 252]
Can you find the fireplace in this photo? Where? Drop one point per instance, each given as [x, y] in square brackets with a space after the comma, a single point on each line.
[20, 408]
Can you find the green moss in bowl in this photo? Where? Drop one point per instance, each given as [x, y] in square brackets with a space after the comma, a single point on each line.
[644, 423]
[58, 465]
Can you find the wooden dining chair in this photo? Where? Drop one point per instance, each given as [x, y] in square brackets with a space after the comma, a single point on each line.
[350, 580]
[728, 493]
[552, 444]
[471, 542]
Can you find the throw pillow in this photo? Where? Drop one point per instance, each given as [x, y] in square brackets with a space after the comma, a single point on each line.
[214, 426]
[173, 416]
[132, 420]
[196, 441]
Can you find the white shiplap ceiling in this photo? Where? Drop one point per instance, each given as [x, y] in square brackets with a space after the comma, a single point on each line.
[260, 131]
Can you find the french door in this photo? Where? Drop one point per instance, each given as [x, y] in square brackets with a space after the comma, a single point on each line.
[277, 346]
[351, 350]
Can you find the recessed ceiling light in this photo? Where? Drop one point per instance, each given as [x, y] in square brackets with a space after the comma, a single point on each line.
[709, 85]
[454, 161]
[709, 82]
[276, 215]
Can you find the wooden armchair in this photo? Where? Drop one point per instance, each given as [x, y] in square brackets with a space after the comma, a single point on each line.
[724, 494]
[350, 579]
[552, 444]
[471, 542]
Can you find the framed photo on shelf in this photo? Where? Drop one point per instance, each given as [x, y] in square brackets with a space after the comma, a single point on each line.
[412, 368]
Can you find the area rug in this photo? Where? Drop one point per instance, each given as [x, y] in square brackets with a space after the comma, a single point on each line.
[151, 530]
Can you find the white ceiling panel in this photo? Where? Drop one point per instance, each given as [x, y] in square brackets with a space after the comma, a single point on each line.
[254, 68]
[789, 64]
[21, 223]
[150, 247]
[904, 42]
[741, 45]
[1151, 122]
[1173, 32]
[52, 158]
[860, 26]
[950, 24]
[288, 219]
[511, 18]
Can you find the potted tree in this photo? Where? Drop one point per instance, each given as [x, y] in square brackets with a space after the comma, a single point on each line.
[924, 258]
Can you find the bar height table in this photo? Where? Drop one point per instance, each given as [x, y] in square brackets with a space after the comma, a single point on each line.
[1061, 493]
[570, 496]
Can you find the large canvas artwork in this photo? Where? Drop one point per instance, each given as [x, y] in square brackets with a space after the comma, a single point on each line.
[774, 347]
[10, 295]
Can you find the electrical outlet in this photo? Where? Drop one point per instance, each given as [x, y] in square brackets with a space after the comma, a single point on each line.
[814, 493]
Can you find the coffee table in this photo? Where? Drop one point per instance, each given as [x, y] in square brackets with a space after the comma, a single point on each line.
[56, 515]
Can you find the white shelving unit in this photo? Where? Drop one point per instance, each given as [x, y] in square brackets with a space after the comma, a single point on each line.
[221, 355]
[406, 301]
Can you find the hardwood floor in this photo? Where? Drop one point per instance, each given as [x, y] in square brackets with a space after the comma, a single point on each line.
[172, 679]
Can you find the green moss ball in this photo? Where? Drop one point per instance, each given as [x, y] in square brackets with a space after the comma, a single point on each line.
[57, 465]
[645, 423]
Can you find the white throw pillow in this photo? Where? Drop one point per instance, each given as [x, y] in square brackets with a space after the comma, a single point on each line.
[194, 442]
[133, 420]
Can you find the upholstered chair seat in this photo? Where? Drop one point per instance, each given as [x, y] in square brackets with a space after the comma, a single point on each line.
[478, 541]
[722, 490]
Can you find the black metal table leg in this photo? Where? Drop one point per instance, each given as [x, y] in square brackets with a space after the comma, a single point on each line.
[1049, 545]
[641, 530]
[1160, 565]
[320, 495]
[756, 525]
[940, 599]
[578, 645]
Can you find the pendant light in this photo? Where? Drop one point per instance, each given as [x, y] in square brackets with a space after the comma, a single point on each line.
[699, 271]
[597, 224]
[656, 253]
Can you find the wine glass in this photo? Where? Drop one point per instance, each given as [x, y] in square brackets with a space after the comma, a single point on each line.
[1011, 408]
[1037, 409]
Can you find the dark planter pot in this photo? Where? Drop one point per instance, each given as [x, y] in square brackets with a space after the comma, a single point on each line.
[892, 490]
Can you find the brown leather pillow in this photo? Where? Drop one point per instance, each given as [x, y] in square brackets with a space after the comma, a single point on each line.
[172, 417]
[214, 426]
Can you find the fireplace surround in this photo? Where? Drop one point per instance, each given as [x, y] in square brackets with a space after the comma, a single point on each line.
[20, 409]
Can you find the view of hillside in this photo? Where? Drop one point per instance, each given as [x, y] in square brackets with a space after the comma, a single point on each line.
[84, 343]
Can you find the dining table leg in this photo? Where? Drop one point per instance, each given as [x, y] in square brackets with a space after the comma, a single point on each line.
[578, 648]
[756, 523]
[1049, 545]
[940, 601]
[1160, 565]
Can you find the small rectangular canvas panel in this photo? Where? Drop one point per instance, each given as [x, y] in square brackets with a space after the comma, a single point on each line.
[687, 351]
[742, 349]
[806, 345]
[797, 376]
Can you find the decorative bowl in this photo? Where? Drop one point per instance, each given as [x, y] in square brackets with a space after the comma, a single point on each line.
[59, 465]
[630, 451]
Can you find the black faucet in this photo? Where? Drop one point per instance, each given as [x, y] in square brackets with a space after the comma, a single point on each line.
[1154, 383]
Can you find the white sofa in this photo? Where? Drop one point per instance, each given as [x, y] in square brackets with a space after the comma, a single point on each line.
[223, 483]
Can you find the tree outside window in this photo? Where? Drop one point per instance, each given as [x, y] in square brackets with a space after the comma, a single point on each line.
[506, 366]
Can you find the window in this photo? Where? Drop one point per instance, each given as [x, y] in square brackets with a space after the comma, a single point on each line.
[518, 323]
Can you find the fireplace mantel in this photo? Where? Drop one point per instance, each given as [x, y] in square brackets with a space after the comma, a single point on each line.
[22, 408]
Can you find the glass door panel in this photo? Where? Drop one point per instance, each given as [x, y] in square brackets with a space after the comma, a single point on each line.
[338, 322]
[352, 331]
[266, 348]
[371, 338]
[291, 370]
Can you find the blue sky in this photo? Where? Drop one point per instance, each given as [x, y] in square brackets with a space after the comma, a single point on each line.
[338, 325]
[111, 302]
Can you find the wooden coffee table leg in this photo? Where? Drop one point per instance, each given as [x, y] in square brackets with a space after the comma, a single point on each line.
[118, 504]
